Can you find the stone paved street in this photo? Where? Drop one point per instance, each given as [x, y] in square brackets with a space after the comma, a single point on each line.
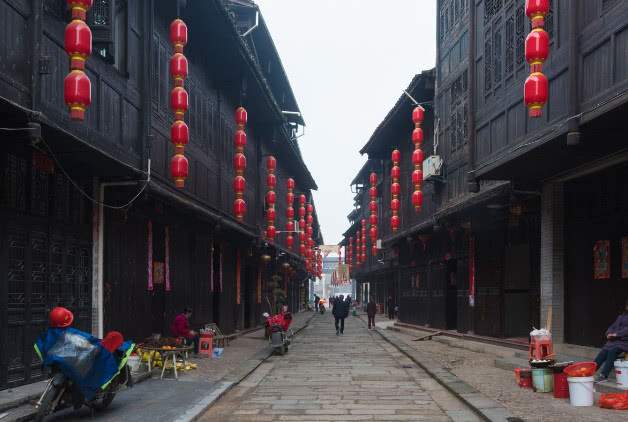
[356, 376]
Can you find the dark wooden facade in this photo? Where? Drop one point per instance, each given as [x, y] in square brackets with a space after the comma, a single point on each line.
[48, 254]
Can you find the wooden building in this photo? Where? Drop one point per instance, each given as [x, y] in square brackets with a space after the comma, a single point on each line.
[91, 219]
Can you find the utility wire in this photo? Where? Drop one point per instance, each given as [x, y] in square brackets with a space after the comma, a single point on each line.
[85, 194]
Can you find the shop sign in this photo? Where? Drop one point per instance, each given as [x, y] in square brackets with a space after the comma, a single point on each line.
[602, 260]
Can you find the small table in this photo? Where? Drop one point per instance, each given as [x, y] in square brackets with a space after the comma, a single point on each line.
[167, 354]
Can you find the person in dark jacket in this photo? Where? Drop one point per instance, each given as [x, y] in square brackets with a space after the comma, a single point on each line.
[391, 308]
[371, 310]
[316, 302]
[341, 311]
[616, 343]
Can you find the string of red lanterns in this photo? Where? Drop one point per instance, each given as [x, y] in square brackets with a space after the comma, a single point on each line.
[319, 266]
[179, 102]
[302, 248]
[271, 197]
[395, 190]
[363, 240]
[536, 88]
[373, 209]
[77, 88]
[310, 263]
[239, 164]
[418, 115]
[358, 247]
[290, 213]
[350, 254]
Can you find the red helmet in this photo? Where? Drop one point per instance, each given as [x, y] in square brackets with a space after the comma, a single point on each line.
[61, 317]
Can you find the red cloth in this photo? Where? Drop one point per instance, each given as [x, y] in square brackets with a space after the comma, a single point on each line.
[181, 327]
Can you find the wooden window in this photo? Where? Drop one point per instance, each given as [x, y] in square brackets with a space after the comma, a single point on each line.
[497, 53]
[520, 36]
[488, 64]
[108, 20]
[510, 46]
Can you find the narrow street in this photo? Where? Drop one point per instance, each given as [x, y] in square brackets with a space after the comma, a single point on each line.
[357, 376]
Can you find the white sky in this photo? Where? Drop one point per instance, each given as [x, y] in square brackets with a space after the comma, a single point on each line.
[348, 62]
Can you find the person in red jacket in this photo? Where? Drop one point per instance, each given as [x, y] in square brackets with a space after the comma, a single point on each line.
[181, 328]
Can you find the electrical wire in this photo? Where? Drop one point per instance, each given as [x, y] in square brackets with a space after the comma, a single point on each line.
[85, 194]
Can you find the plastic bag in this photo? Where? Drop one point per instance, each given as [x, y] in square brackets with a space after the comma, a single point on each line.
[616, 401]
[217, 353]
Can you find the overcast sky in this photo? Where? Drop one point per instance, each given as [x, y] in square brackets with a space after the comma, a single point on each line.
[348, 62]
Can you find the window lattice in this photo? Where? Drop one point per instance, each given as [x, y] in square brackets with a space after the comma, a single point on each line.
[491, 8]
[100, 13]
[497, 54]
[510, 45]
[488, 65]
[56, 8]
[520, 35]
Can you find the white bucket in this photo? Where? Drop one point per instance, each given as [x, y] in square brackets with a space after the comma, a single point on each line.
[621, 373]
[581, 391]
[134, 363]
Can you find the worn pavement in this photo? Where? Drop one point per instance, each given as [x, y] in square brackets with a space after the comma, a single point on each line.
[324, 377]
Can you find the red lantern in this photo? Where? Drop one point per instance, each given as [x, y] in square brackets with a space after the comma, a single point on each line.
[373, 207]
[310, 231]
[395, 188]
[79, 8]
[395, 156]
[373, 233]
[417, 200]
[290, 183]
[178, 68]
[417, 177]
[271, 180]
[310, 219]
[395, 205]
[271, 197]
[179, 167]
[289, 241]
[536, 10]
[373, 192]
[179, 102]
[239, 184]
[271, 232]
[417, 136]
[178, 35]
[271, 163]
[290, 199]
[302, 212]
[373, 179]
[239, 208]
[179, 133]
[241, 116]
[78, 43]
[418, 115]
[395, 172]
[418, 157]
[239, 163]
[395, 222]
[310, 208]
[537, 49]
[77, 93]
[290, 213]
[536, 93]
[373, 219]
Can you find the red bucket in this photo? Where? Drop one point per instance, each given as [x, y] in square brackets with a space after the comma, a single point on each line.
[561, 386]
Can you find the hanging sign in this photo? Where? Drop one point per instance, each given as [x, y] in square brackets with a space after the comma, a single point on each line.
[602, 260]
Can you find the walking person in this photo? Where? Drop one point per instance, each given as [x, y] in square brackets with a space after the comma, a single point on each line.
[316, 302]
[391, 308]
[371, 310]
[341, 311]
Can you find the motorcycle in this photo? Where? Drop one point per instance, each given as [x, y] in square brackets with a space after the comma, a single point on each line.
[278, 331]
[321, 308]
[83, 370]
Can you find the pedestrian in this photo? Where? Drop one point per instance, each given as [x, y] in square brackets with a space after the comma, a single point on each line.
[617, 343]
[371, 310]
[341, 311]
[180, 327]
[391, 308]
[316, 302]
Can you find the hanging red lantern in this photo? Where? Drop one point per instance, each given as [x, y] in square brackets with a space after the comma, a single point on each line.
[395, 222]
[78, 43]
[373, 233]
[271, 196]
[537, 49]
[239, 184]
[395, 189]
[179, 167]
[179, 134]
[536, 93]
[179, 102]
[77, 93]
[373, 216]
[271, 180]
[79, 8]
[395, 205]
[178, 35]
[536, 10]
[373, 207]
[178, 68]
[290, 212]
[418, 115]
[271, 232]
[239, 163]
[373, 219]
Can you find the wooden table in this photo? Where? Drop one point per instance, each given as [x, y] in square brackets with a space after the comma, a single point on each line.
[166, 354]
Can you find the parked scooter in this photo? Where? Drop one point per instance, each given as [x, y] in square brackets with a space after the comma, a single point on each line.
[84, 370]
[278, 331]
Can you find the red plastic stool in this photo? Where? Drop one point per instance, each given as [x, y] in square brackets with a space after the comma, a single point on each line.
[206, 345]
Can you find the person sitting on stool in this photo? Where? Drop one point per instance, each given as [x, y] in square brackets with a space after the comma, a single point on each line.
[181, 328]
[616, 344]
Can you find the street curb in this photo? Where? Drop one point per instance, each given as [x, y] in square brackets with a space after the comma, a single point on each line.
[495, 412]
[225, 386]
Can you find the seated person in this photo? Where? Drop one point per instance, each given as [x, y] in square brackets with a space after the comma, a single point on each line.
[181, 328]
[616, 344]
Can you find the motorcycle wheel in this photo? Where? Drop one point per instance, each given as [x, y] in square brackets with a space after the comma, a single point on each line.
[46, 404]
[102, 402]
